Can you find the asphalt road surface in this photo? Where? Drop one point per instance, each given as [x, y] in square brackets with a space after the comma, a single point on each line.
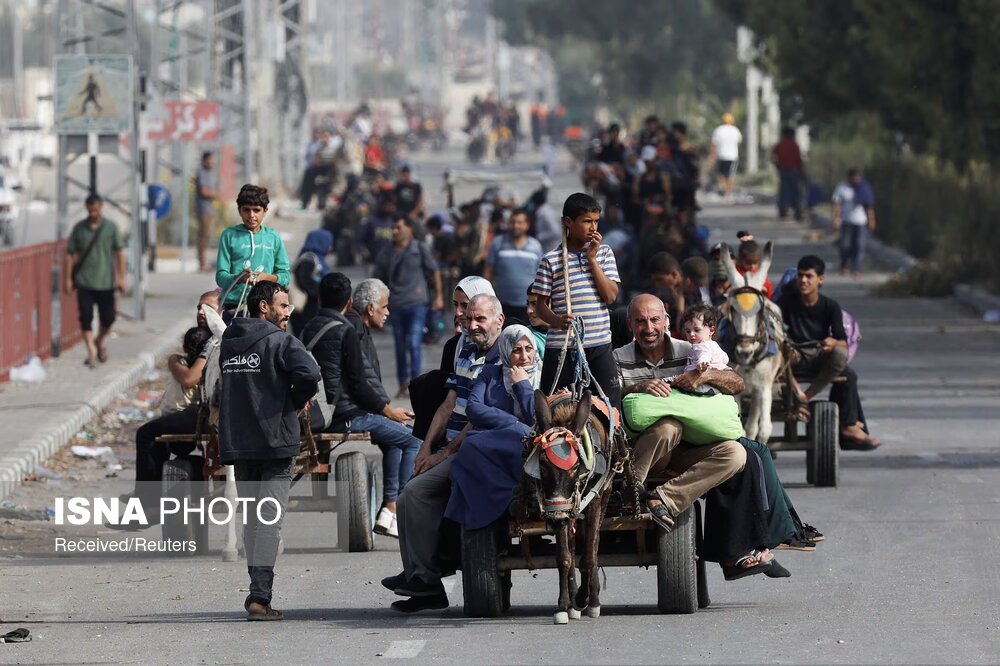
[908, 572]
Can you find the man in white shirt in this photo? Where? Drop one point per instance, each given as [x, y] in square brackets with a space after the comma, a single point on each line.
[726, 139]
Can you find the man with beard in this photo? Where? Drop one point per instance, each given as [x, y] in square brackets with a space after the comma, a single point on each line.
[420, 509]
[267, 376]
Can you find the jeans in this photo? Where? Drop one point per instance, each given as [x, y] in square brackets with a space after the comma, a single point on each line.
[399, 450]
[257, 479]
[853, 238]
[408, 332]
[789, 195]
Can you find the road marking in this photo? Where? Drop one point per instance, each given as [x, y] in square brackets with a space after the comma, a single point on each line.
[969, 478]
[404, 649]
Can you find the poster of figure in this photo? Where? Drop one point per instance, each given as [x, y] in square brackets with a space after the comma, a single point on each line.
[93, 93]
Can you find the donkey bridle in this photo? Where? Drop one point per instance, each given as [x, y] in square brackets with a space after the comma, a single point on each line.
[761, 337]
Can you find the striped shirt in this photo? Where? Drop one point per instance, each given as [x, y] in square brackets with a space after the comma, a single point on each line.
[468, 365]
[633, 367]
[587, 302]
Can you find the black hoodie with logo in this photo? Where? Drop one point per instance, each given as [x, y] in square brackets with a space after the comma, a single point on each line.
[267, 375]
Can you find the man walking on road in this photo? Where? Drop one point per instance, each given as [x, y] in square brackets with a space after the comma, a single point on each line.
[408, 268]
[267, 376]
[206, 193]
[787, 158]
[511, 264]
[95, 268]
[854, 218]
[726, 139]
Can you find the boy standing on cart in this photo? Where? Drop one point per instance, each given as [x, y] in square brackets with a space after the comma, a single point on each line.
[579, 279]
[267, 376]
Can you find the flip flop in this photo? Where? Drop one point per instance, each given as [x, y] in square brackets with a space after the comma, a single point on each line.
[866, 444]
[736, 571]
[659, 513]
[19, 635]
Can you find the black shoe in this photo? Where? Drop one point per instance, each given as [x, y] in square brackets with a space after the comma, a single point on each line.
[810, 533]
[392, 582]
[418, 588]
[415, 604]
[796, 543]
[777, 571]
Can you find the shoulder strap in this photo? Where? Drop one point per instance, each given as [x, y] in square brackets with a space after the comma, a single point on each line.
[86, 251]
[323, 331]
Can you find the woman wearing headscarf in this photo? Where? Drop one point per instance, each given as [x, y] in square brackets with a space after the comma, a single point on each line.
[487, 468]
[308, 269]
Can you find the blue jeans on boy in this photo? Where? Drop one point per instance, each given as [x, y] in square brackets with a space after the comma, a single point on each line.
[788, 192]
[853, 238]
[408, 332]
[399, 450]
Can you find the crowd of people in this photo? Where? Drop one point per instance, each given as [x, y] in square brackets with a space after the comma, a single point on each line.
[623, 270]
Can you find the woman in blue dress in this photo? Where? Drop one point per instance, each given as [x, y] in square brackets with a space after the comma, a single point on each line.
[501, 408]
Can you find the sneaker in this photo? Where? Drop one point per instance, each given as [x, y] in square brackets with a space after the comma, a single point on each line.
[385, 523]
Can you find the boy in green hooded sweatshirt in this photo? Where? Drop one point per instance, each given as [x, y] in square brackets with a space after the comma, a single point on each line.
[250, 252]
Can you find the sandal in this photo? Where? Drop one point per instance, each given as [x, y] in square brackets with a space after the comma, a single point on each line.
[258, 612]
[866, 444]
[737, 570]
[810, 533]
[659, 513]
[19, 635]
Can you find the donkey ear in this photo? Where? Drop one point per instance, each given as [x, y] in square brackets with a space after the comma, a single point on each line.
[735, 279]
[582, 413]
[543, 415]
[765, 262]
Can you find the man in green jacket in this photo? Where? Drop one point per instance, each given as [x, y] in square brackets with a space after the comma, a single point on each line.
[250, 252]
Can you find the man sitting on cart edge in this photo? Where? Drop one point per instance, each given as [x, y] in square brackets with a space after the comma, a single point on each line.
[644, 365]
[421, 506]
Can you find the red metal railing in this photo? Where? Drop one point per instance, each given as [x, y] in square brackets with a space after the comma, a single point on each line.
[26, 288]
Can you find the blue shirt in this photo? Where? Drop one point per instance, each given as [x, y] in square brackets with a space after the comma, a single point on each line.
[513, 268]
[469, 364]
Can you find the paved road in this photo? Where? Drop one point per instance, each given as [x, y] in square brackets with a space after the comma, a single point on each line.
[907, 574]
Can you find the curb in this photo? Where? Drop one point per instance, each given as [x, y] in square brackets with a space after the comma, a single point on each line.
[898, 260]
[23, 460]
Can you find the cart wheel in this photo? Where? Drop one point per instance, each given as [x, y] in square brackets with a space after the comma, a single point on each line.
[354, 499]
[483, 585]
[182, 481]
[704, 601]
[825, 440]
[676, 570]
[374, 488]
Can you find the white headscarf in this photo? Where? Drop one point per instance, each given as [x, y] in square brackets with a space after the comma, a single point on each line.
[509, 337]
[471, 286]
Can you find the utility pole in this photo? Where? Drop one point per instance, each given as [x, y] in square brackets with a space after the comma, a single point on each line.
[747, 51]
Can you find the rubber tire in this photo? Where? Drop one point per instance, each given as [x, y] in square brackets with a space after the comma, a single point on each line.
[374, 488]
[354, 498]
[482, 583]
[704, 600]
[182, 480]
[676, 568]
[824, 435]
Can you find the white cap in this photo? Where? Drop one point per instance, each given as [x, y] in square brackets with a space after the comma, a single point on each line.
[648, 153]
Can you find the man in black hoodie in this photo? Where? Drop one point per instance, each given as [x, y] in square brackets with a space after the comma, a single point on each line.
[351, 376]
[267, 376]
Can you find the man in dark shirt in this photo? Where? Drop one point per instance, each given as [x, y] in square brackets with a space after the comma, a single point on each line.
[811, 317]
[409, 195]
[353, 384]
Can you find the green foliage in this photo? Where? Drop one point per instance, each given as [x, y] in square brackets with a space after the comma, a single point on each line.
[674, 55]
[927, 70]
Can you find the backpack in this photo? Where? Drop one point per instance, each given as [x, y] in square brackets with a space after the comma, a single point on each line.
[320, 411]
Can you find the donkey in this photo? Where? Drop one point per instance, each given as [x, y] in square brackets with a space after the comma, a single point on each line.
[562, 482]
[759, 337]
